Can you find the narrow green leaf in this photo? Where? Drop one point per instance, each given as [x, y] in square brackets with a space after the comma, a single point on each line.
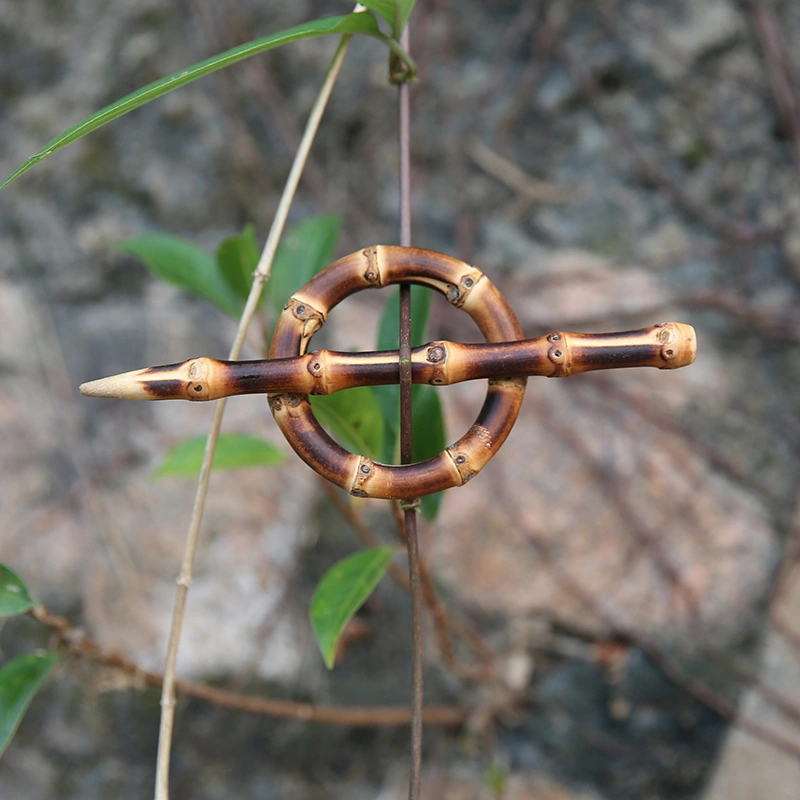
[495, 779]
[304, 251]
[237, 259]
[354, 418]
[14, 596]
[341, 592]
[404, 9]
[180, 263]
[429, 433]
[395, 12]
[359, 22]
[383, 7]
[20, 679]
[234, 451]
[389, 339]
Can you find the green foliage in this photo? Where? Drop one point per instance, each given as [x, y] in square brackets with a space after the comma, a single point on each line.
[20, 679]
[403, 9]
[361, 22]
[354, 416]
[234, 451]
[341, 592]
[496, 780]
[427, 425]
[14, 595]
[395, 12]
[355, 419]
[237, 259]
[180, 263]
[388, 331]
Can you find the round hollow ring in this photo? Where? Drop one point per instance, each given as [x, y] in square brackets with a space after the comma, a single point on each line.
[465, 287]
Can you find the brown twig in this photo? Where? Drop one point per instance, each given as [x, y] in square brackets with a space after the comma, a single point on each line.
[743, 232]
[406, 442]
[647, 539]
[780, 70]
[81, 646]
[701, 690]
[445, 622]
[445, 625]
[547, 35]
[509, 174]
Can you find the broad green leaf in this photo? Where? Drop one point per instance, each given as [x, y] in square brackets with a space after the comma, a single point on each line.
[389, 339]
[237, 259]
[341, 592]
[180, 263]
[389, 329]
[359, 22]
[427, 425]
[20, 679]
[303, 252]
[14, 596]
[354, 418]
[234, 451]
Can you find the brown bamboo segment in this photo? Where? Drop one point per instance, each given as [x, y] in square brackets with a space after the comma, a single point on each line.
[291, 373]
[465, 287]
[669, 345]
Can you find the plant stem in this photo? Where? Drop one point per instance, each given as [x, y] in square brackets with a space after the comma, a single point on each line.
[406, 444]
[259, 279]
[76, 644]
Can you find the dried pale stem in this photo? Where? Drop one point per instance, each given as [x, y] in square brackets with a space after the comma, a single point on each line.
[80, 646]
[259, 279]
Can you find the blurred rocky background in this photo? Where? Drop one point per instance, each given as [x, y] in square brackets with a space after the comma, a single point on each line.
[628, 557]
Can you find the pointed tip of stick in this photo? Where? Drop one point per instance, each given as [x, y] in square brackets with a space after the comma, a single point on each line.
[126, 386]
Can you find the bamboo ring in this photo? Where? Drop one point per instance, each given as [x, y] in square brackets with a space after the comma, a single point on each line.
[465, 287]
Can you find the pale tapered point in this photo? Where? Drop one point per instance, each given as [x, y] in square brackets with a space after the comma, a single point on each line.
[126, 386]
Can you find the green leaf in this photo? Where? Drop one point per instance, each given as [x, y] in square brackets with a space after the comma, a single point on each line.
[234, 451]
[384, 7]
[237, 259]
[395, 12]
[389, 329]
[304, 251]
[14, 596]
[180, 263]
[404, 9]
[341, 592]
[427, 425]
[354, 418]
[360, 22]
[495, 779]
[20, 679]
[389, 339]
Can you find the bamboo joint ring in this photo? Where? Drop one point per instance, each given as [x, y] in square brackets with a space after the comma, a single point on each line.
[374, 267]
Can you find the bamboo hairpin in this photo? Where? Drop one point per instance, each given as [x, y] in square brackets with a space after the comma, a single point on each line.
[290, 374]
